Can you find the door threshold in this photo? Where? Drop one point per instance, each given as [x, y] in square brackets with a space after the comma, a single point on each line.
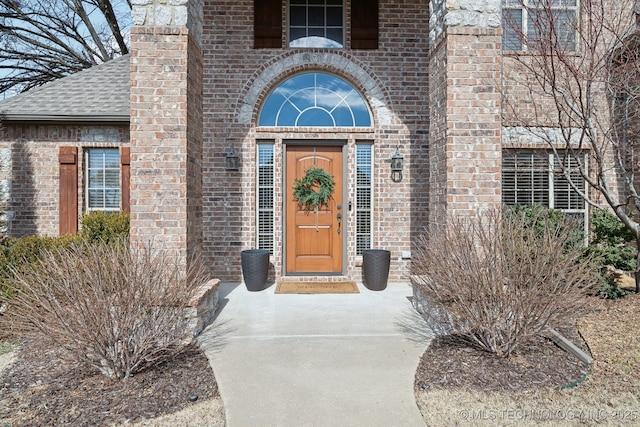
[315, 277]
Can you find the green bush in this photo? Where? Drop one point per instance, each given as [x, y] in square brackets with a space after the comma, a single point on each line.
[610, 245]
[542, 220]
[97, 227]
[16, 253]
[610, 239]
[104, 227]
[538, 217]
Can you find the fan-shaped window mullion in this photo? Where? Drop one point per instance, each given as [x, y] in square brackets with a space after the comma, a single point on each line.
[321, 99]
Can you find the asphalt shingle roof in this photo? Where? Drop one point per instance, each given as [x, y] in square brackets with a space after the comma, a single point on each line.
[97, 94]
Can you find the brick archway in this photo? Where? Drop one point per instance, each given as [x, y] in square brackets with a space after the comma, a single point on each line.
[285, 66]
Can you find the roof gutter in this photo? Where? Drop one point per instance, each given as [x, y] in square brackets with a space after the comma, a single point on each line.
[57, 119]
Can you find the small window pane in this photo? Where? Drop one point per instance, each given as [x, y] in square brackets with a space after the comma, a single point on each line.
[563, 3]
[315, 117]
[298, 16]
[316, 16]
[512, 23]
[298, 33]
[316, 34]
[566, 29]
[334, 17]
[335, 34]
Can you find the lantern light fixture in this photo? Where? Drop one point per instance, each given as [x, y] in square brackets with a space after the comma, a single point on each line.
[232, 161]
[397, 164]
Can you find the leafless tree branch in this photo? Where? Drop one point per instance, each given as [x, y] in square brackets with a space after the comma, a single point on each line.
[42, 40]
[581, 76]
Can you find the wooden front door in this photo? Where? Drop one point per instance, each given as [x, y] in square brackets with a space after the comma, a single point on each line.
[314, 239]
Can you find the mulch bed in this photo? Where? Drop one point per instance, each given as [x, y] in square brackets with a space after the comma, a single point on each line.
[36, 392]
[450, 364]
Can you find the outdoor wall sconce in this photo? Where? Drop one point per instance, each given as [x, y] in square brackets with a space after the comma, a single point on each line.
[397, 164]
[232, 161]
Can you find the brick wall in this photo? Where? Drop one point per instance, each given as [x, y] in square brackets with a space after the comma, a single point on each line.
[465, 100]
[32, 155]
[393, 79]
[160, 157]
[474, 123]
[194, 151]
[531, 114]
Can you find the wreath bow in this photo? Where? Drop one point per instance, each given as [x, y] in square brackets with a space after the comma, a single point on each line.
[314, 190]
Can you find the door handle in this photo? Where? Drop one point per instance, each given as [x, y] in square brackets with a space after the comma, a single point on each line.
[339, 217]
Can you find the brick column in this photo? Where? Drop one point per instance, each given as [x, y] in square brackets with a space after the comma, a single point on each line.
[166, 125]
[464, 95]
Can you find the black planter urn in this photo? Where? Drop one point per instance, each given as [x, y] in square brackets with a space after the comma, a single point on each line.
[255, 268]
[375, 268]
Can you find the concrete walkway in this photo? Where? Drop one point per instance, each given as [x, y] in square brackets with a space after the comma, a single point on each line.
[315, 360]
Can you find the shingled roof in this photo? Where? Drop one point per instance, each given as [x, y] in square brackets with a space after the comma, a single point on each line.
[97, 94]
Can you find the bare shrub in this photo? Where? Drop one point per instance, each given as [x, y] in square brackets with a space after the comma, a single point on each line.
[498, 282]
[116, 308]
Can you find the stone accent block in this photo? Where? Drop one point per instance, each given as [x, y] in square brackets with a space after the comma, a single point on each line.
[467, 13]
[203, 307]
[163, 13]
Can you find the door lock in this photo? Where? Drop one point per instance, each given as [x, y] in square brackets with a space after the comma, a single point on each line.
[339, 217]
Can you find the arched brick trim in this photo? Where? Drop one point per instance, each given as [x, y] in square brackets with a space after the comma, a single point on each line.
[286, 65]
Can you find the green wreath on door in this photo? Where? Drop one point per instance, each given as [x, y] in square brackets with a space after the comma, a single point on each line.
[314, 190]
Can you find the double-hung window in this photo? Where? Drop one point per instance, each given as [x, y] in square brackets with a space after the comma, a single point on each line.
[538, 177]
[531, 24]
[102, 179]
[316, 23]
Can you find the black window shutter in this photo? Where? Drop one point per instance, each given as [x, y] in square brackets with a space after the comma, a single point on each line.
[364, 24]
[267, 24]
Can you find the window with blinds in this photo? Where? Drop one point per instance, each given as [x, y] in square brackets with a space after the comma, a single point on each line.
[103, 179]
[364, 197]
[265, 195]
[526, 22]
[537, 177]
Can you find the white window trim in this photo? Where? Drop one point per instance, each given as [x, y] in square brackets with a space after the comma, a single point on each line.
[87, 189]
[524, 6]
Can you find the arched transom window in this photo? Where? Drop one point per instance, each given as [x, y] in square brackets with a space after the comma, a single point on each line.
[315, 99]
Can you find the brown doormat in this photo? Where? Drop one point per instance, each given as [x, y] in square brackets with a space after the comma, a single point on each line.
[317, 288]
